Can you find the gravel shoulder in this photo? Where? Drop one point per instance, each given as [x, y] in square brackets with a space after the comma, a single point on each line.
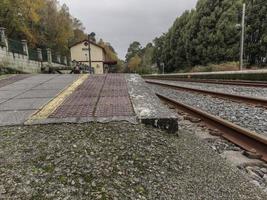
[237, 90]
[247, 116]
[114, 161]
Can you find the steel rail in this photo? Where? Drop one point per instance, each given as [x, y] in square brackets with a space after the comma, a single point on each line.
[247, 99]
[221, 82]
[238, 135]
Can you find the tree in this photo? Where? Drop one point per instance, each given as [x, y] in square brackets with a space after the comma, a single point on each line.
[256, 32]
[134, 63]
[133, 50]
[208, 34]
[20, 17]
[44, 23]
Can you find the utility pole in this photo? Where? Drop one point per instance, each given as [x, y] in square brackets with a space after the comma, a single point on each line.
[242, 38]
[163, 67]
[89, 50]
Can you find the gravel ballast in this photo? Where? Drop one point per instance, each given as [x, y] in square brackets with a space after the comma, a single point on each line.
[230, 89]
[114, 161]
[247, 116]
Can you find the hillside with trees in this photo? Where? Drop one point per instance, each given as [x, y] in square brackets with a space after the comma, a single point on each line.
[210, 34]
[44, 23]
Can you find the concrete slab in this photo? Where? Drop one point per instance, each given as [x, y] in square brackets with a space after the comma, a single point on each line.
[148, 107]
[34, 79]
[51, 86]
[64, 79]
[12, 79]
[22, 98]
[8, 118]
[23, 104]
[7, 94]
[3, 100]
[38, 94]
[18, 87]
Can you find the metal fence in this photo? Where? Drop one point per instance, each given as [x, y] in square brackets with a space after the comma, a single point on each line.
[15, 46]
[44, 55]
[33, 55]
[54, 59]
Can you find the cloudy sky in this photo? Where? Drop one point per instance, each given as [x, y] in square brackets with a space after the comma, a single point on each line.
[122, 21]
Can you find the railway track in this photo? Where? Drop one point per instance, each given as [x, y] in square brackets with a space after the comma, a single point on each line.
[221, 82]
[246, 139]
[241, 98]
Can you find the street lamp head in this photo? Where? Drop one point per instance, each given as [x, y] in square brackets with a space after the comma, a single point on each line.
[92, 34]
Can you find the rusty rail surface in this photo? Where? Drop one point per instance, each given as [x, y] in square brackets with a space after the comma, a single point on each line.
[242, 137]
[221, 82]
[247, 99]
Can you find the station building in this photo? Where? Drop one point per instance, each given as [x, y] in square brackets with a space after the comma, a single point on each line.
[80, 53]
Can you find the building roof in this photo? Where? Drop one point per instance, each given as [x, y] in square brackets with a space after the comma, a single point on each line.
[91, 42]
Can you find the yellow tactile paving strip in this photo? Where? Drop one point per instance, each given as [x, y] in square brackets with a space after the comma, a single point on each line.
[49, 108]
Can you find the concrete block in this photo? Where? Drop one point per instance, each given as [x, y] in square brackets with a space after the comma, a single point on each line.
[148, 106]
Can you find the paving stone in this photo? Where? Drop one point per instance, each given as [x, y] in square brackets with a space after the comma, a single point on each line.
[23, 104]
[114, 106]
[82, 102]
[70, 111]
[115, 92]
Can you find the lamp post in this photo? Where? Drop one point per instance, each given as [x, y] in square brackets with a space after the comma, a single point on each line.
[89, 51]
[242, 38]
[242, 27]
[163, 67]
[89, 47]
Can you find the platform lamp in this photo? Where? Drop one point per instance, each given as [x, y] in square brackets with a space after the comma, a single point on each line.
[163, 67]
[91, 35]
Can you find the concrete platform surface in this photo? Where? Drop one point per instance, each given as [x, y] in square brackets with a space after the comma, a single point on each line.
[44, 99]
[21, 98]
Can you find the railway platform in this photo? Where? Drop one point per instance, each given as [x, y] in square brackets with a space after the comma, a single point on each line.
[45, 99]
[64, 154]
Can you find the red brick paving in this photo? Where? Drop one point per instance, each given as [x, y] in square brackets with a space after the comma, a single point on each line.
[82, 102]
[13, 79]
[114, 107]
[98, 96]
[114, 98]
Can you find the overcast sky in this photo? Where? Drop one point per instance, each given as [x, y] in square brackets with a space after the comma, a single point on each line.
[121, 22]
